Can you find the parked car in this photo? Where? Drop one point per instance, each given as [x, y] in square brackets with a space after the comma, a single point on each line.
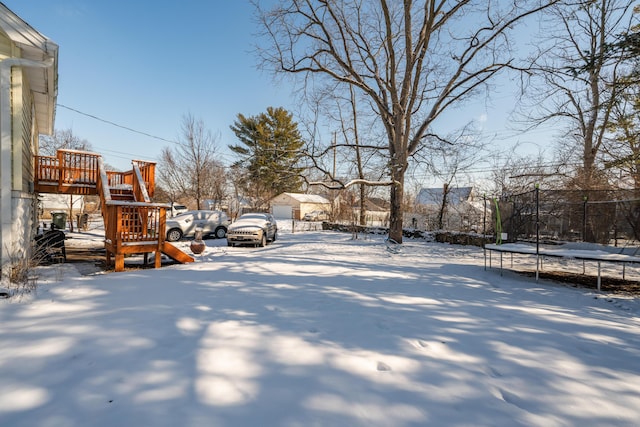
[253, 229]
[184, 225]
[316, 216]
[177, 209]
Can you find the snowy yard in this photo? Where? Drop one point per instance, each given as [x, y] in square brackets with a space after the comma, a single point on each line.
[318, 330]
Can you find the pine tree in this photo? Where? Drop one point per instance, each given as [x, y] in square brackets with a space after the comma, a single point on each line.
[269, 153]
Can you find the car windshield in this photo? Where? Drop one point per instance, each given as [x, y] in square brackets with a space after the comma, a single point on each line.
[254, 216]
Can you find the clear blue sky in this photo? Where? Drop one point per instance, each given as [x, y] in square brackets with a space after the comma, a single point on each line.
[144, 65]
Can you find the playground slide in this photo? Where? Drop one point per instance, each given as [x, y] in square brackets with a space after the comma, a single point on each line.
[176, 254]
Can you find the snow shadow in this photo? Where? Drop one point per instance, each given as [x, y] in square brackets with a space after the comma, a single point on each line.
[318, 329]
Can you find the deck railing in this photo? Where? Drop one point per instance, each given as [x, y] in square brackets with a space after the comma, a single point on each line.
[78, 167]
[139, 186]
[47, 169]
[148, 172]
[116, 179]
[69, 171]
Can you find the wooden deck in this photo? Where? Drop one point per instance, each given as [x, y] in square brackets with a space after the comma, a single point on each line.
[133, 224]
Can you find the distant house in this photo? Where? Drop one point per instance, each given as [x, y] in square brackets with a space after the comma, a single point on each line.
[28, 91]
[377, 211]
[296, 205]
[458, 206]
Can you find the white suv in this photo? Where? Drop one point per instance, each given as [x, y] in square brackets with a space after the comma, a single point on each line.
[213, 223]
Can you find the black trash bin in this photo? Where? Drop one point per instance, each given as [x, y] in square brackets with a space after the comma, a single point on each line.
[59, 219]
[83, 221]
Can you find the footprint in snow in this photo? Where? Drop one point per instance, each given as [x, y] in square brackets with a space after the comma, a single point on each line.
[424, 344]
[421, 344]
[493, 372]
[383, 367]
[513, 399]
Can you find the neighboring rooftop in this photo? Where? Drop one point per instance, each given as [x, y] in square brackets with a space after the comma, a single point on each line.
[433, 196]
[307, 198]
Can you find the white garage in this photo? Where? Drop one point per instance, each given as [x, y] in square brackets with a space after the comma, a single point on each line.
[295, 205]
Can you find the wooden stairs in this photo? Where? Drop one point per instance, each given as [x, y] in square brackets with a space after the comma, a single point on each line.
[132, 223]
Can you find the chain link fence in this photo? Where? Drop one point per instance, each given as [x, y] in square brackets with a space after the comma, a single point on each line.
[608, 217]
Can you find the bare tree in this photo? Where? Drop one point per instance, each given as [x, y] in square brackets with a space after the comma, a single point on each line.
[62, 139]
[576, 77]
[358, 152]
[237, 179]
[347, 146]
[191, 168]
[412, 59]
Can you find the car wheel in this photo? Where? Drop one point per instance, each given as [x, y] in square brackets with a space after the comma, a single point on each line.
[275, 236]
[174, 235]
[263, 241]
[220, 233]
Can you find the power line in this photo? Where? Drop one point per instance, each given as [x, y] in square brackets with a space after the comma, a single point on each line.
[130, 130]
[118, 125]
[416, 174]
[126, 156]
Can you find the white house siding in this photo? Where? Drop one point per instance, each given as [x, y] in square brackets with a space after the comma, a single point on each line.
[28, 77]
[24, 221]
[20, 220]
[24, 173]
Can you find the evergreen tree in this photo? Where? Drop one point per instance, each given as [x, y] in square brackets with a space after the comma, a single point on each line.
[269, 153]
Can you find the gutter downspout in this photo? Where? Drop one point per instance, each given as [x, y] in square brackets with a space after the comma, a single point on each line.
[6, 135]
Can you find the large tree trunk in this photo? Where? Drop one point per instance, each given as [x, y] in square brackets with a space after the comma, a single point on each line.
[397, 209]
[588, 180]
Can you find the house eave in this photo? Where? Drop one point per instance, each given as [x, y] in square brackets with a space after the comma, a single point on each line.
[43, 82]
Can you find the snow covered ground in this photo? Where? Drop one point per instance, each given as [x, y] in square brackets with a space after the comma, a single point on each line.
[318, 329]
